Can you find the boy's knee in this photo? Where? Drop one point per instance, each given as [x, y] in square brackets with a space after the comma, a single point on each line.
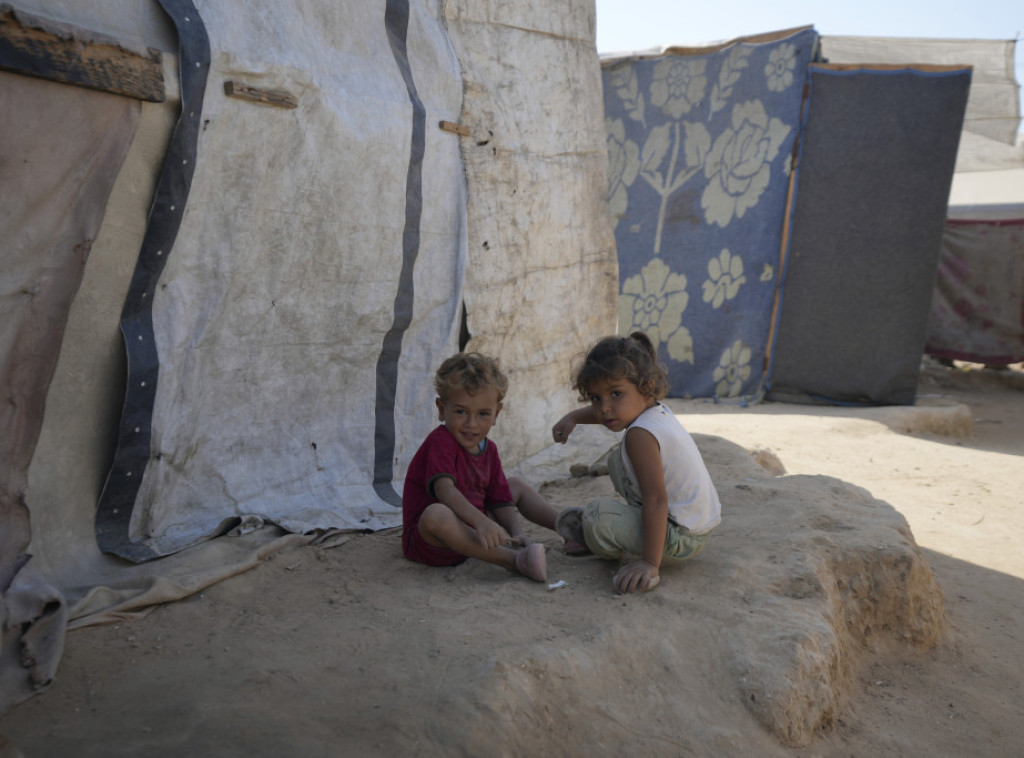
[434, 517]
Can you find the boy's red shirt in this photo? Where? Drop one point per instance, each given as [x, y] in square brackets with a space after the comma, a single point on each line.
[479, 478]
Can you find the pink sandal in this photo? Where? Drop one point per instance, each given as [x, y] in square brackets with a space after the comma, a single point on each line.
[532, 562]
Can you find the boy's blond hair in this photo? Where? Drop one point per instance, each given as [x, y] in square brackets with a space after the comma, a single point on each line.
[472, 372]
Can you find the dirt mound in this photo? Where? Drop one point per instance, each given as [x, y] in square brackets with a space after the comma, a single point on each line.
[353, 646]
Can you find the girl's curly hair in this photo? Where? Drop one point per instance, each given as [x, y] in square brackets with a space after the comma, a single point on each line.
[633, 358]
[472, 372]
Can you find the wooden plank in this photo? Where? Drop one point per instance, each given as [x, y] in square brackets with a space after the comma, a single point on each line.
[928, 68]
[69, 56]
[460, 129]
[280, 98]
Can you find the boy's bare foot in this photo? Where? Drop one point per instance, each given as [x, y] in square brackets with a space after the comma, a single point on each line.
[531, 562]
[569, 525]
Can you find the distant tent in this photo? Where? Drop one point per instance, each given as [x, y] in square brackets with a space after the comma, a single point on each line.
[978, 307]
[992, 119]
[792, 250]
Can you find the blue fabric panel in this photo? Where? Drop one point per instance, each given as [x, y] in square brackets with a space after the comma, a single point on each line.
[700, 151]
[872, 183]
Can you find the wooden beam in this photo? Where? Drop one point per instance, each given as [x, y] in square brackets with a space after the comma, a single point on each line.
[461, 129]
[277, 97]
[64, 54]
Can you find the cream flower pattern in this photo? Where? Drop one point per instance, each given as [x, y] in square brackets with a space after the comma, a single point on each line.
[738, 165]
[725, 275]
[678, 85]
[780, 67]
[653, 302]
[733, 370]
[661, 167]
[680, 345]
[623, 167]
[699, 209]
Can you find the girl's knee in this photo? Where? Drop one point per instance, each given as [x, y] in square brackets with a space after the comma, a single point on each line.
[610, 528]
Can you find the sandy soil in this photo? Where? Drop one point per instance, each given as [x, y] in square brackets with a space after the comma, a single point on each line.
[351, 650]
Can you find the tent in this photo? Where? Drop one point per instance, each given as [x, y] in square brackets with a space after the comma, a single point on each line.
[871, 188]
[232, 287]
[977, 305]
[977, 312]
[701, 143]
[791, 251]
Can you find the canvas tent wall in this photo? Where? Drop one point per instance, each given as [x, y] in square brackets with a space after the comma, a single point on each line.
[292, 300]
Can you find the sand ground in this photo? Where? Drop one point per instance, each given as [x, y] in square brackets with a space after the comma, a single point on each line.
[329, 652]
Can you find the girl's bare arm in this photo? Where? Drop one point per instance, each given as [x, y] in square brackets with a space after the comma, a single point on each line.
[645, 454]
[585, 415]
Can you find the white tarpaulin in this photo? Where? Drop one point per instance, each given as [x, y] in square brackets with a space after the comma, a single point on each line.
[298, 279]
[281, 345]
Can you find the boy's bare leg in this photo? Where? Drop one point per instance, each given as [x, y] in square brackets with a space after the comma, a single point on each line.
[507, 517]
[440, 527]
[529, 503]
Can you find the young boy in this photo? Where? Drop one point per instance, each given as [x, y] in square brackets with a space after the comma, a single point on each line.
[457, 503]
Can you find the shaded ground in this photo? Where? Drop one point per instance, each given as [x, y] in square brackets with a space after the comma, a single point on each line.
[353, 651]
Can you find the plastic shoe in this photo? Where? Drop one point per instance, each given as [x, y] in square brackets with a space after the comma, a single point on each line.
[532, 562]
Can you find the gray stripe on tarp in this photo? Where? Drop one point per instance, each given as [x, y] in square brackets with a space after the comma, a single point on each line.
[114, 511]
[396, 22]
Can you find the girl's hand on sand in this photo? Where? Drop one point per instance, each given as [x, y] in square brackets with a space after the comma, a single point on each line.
[561, 431]
[638, 576]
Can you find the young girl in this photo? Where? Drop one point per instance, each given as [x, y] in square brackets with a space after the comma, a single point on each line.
[670, 505]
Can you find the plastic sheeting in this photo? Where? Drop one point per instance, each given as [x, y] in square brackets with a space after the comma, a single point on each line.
[302, 242]
[542, 274]
[700, 146]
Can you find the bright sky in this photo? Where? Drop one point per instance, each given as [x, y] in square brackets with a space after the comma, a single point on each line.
[626, 25]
